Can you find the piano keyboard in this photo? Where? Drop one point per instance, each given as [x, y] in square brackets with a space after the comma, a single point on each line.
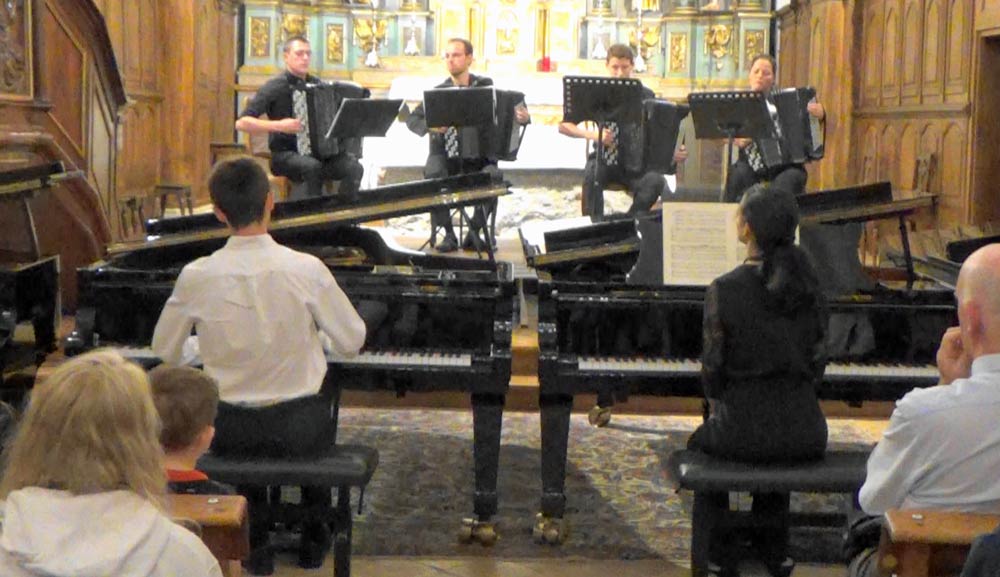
[145, 356]
[692, 367]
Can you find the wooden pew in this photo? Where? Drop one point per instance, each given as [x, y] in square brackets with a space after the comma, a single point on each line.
[925, 543]
[224, 525]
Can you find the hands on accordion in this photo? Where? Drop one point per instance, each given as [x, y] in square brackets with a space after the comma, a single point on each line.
[489, 131]
[798, 135]
[649, 147]
[316, 108]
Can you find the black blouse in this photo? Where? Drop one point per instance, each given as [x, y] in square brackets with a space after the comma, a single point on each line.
[761, 367]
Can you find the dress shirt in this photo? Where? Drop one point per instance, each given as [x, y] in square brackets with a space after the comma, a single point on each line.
[274, 99]
[941, 449]
[256, 307]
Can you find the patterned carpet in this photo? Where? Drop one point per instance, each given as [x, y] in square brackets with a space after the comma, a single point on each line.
[620, 502]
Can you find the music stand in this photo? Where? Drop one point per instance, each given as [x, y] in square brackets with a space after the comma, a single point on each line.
[473, 112]
[730, 115]
[601, 100]
[359, 117]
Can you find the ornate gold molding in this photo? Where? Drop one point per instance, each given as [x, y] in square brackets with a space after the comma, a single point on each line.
[260, 37]
[753, 45]
[335, 43]
[678, 52]
[294, 25]
[718, 42]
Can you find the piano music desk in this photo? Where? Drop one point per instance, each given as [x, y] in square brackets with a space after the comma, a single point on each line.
[925, 543]
[223, 520]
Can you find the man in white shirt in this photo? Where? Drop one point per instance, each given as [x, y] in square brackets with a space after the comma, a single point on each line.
[262, 314]
[941, 449]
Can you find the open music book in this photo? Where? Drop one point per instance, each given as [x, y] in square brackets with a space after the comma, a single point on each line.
[699, 242]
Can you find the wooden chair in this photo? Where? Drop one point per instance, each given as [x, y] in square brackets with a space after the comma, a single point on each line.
[929, 543]
[221, 521]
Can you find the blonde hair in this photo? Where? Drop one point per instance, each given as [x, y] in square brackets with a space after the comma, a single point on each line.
[90, 427]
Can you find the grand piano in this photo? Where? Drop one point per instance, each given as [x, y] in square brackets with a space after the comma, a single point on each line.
[628, 333]
[29, 279]
[448, 320]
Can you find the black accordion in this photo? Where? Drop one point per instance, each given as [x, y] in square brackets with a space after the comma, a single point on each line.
[800, 135]
[496, 140]
[649, 146]
[316, 107]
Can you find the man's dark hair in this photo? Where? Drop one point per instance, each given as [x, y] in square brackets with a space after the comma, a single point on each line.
[769, 58]
[464, 42]
[296, 38]
[187, 400]
[239, 188]
[620, 51]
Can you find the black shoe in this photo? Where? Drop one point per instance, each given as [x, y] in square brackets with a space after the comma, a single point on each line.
[471, 241]
[315, 545]
[722, 570]
[781, 568]
[449, 244]
[260, 561]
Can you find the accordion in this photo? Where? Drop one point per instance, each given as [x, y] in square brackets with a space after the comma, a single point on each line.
[499, 139]
[800, 135]
[316, 107]
[650, 145]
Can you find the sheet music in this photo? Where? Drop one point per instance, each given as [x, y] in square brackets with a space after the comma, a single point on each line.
[699, 242]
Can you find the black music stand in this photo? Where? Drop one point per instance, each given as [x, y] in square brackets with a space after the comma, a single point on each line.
[601, 100]
[730, 115]
[465, 108]
[360, 117]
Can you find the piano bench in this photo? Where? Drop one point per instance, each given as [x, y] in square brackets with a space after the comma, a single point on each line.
[342, 466]
[707, 477]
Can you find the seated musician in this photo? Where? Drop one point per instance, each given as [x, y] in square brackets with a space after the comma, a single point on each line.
[187, 401]
[748, 169]
[645, 188]
[263, 314]
[83, 481]
[763, 355]
[276, 99]
[445, 158]
[941, 449]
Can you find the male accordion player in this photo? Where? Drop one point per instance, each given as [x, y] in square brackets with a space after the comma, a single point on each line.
[296, 104]
[798, 127]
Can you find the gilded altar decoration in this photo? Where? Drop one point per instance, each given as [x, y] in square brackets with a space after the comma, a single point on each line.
[370, 32]
[260, 37]
[294, 25]
[507, 33]
[335, 43]
[602, 7]
[678, 52]
[15, 48]
[648, 38]
[753, 45]
[718, 39]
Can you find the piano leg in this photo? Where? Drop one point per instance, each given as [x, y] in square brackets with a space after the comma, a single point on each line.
[555, 411]
[487, 418]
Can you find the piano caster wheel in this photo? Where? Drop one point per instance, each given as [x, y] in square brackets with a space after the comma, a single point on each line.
[548, 531]
[482, 531]
[599, 416]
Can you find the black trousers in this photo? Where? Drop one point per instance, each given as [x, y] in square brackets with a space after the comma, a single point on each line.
[791, 177]
[313, 172]
[645, 188]
[440, 166]
[297, 428]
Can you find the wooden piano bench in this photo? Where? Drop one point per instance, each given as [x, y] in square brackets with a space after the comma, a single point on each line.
[707, 477]
[343, 467]
[925, 543]
[181, 194]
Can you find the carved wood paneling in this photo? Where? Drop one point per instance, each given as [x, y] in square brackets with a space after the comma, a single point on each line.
[910, 82]
[890, 55]
[933, 63]
[987, 14]
[66, 93]
[959, 53]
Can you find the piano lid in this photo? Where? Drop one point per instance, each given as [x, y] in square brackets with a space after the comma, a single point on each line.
[374, 204]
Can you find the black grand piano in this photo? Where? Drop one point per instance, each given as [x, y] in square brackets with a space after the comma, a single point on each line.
[611, 328]
[29, 280]
[449, 319]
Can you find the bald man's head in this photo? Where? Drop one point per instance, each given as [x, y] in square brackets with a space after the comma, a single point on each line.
[978, 294]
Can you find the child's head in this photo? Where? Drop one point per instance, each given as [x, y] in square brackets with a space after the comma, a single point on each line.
[90, 427]
[187, 400]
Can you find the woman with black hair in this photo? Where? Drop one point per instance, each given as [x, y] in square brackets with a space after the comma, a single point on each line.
[763, 355]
